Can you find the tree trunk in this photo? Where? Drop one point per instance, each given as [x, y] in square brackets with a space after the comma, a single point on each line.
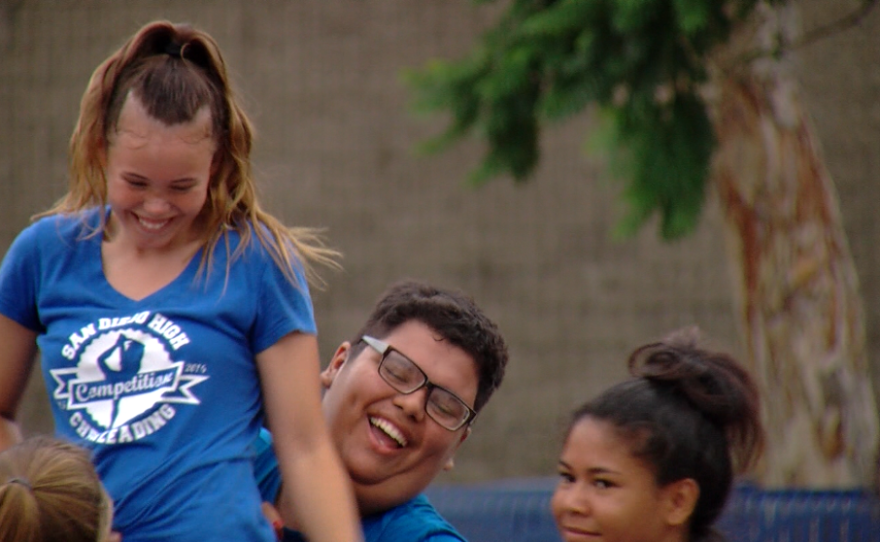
[798, 296]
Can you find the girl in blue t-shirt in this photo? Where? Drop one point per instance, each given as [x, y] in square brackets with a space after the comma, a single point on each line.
[170, 312]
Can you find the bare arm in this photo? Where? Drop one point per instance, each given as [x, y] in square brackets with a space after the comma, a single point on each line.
[314, 480]
[17, 350]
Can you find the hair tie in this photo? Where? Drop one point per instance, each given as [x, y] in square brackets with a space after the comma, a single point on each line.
[174, 50]
[20, 481]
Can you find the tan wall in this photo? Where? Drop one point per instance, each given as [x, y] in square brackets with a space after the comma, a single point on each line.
[320, 79]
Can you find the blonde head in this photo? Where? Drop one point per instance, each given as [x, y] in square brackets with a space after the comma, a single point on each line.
[175, 70]
[49, 490]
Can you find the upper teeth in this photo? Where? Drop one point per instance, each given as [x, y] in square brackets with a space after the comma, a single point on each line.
[387, 428]
[151, 224]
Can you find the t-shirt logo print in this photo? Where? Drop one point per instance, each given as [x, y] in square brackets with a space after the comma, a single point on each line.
[129, 354]
[122, 376]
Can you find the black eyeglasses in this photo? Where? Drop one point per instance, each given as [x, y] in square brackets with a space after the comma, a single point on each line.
[402, 374]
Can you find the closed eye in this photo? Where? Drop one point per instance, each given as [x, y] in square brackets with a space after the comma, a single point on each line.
[182, 187]
[396, 375]
[136, 183]
[443, 409]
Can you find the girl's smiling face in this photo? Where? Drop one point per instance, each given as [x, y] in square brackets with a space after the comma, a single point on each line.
[606, 494]
[157, 177]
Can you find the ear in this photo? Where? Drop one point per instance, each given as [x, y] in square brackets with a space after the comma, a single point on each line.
[680, 499]
[450, 463]
[328, 375]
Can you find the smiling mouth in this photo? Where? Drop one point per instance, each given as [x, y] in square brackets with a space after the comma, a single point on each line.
[389, 430]
[578, 533]
[152, 225]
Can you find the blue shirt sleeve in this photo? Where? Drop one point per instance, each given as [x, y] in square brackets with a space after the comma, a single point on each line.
[283, 306]
[19, 277]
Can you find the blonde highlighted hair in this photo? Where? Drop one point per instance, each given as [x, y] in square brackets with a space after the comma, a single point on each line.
[49, 490]
[175, 70]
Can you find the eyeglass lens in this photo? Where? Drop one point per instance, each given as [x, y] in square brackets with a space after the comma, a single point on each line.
[446, 409]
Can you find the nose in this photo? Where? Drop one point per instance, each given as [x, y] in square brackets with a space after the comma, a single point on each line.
[412, 404]
[570, 500]
[156, 205]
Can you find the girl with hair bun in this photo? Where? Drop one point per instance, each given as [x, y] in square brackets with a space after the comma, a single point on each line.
[653, 459]
[172, 313]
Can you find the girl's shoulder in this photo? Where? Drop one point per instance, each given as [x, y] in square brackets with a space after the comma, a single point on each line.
[62, 229]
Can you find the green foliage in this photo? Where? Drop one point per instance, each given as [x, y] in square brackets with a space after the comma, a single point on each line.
[640, 61]
[664, 155]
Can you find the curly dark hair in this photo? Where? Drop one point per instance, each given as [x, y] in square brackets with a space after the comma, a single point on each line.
[450, 313]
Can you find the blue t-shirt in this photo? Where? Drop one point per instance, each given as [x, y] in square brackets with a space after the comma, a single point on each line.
[413, 521]
[164, 390]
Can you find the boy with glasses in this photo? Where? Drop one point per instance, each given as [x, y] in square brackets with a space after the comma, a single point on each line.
[400, 398]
